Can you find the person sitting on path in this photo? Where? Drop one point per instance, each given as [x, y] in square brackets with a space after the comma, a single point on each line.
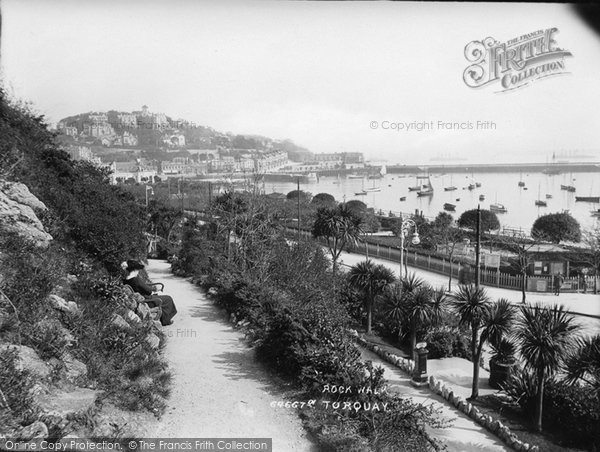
[137, 284]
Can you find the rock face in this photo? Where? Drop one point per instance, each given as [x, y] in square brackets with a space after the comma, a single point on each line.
[61, 304]
[74, 368]
[29, 360]
[17, 213]
[63, 404]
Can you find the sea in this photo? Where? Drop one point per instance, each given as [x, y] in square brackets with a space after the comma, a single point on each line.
[500, 188]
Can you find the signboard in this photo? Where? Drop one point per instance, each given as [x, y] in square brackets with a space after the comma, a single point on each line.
[491, 260]
[541, 285]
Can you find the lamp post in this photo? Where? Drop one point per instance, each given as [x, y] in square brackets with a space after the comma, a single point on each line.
[404, 230]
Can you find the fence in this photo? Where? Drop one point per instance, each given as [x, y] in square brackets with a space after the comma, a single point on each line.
[489, 277]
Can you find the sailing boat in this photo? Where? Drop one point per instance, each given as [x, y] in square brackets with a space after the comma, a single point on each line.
[569, 188]
[372, 189]
[497, 207]
[363, 192]
[451, 187]
[594, 199]
[539, 202]
[521, 183]
[426, 189]
[416, 187]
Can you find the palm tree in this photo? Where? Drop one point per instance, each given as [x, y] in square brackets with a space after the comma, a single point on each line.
[422, 308]
[545, 334]
[395, 297]
[472, 305]
[584, 364]
[372, 280]
[339, 226]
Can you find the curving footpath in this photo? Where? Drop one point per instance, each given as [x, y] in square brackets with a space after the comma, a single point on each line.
[219, 391]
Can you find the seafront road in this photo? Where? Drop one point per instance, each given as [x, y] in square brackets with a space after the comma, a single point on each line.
[586, 304]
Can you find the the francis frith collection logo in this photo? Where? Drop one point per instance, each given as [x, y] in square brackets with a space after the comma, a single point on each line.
[515, 63]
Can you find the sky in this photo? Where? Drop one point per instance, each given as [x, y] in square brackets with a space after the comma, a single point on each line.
[330, 76]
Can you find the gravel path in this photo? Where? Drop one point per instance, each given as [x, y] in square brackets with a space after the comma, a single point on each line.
[219, 390]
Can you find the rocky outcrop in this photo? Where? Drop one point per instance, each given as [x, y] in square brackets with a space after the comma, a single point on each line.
[17, 213]
[29, 360]
[61, 304]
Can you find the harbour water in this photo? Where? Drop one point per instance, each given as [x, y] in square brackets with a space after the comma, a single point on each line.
[500, 188]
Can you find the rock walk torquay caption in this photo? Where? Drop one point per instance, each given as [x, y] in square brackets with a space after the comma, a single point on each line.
[514, 63]
[420, 126]
[337, 405]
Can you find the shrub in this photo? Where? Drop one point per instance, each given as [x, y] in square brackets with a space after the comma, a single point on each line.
[120, 360]
[443, 343]
[16, 402]
[440, 344]
[575, 412]
[572, 413]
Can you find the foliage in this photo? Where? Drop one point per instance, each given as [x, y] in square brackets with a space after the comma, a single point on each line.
[545, 334]
[571, 412]
[296, 313]
[556, 227]
[583, 364]
[503, 351]
[371, 280]
[489, 220]
[133, 374]
[339, 226]
[356, 206]
[323, 198]
[487, 321]
[103, 220]
[414, 306]
[16, 401]
[162, 219]
[446, 342]
[295, 194]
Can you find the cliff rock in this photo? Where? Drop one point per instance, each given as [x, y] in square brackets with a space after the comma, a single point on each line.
[17, 213]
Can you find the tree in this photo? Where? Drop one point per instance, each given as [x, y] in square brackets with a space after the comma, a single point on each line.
[323, 199]
[422, 308]
[371, 280]
[339, 226]
[489, 220]
[485, 319]
[556, 227]
[396, 296]
[356, 206]
[545, 335]
[446, 236]
[294, 194]
[163, 219]
[521, 248]
[584, 363]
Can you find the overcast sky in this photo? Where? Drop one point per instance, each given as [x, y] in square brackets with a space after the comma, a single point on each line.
[317, 73]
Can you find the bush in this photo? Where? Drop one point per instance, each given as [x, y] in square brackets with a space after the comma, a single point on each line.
[440, 344]
[571, 413]
[575, 412]
[444, 343]
[120, 360]
[16, 402]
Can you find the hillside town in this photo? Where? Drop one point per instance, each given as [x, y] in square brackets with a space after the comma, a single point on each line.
[143, 146]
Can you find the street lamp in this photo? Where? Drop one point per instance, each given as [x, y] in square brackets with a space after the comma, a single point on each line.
[152, 190]
[404, 230]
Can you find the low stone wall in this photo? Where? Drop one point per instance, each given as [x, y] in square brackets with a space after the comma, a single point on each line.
[442, 389]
